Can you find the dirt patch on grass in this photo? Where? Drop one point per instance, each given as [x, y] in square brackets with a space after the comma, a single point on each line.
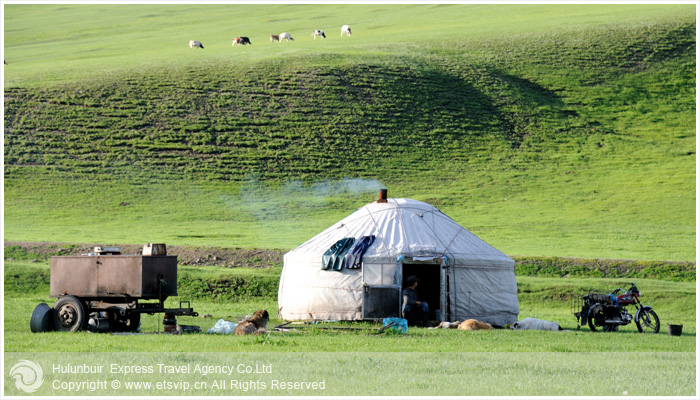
[263, 258]
[187, 255]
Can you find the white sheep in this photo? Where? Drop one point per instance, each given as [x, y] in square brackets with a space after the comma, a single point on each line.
[345, 30]
[319, 33]
[285, 35]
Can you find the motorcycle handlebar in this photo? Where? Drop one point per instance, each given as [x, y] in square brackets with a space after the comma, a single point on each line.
[633, 288]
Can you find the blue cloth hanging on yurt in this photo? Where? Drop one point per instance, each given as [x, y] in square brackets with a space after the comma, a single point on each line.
[334, 258]
[353, 260]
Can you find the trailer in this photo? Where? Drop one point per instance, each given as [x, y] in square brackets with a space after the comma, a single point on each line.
[107, 291]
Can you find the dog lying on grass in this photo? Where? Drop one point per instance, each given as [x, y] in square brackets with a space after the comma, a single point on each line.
[257, 324]
[468, 325]
[474, 325]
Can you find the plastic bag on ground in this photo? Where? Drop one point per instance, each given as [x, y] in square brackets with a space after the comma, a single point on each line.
[401, 324]
[223, 326]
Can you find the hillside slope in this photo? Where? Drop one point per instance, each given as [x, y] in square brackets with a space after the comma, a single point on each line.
[289, 119]
[541, 140]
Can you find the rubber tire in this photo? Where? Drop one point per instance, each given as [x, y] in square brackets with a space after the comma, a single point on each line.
[654, 316]
[42, 319]
[591, 322]
[73, 305]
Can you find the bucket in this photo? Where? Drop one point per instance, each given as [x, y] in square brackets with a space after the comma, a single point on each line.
[154, 249]
[674, 330]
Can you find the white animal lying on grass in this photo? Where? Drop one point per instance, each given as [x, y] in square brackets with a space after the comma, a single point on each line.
[536, 324]
[447, 325]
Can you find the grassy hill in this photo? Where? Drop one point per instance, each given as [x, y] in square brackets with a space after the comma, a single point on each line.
[548, 130]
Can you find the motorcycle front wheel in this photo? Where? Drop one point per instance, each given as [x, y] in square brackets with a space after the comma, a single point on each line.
[648, 322]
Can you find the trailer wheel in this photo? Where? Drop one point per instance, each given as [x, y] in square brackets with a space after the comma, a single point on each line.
[70, 314]
[127, 323]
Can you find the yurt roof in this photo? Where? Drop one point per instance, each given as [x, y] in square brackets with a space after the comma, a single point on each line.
[406, 227]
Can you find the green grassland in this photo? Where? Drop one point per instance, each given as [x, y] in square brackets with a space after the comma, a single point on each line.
[27, 284]
[360, 361]
[348, 354]
[547, 130]
[550, 131]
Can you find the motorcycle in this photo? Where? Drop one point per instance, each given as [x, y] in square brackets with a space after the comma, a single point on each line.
[609, 311]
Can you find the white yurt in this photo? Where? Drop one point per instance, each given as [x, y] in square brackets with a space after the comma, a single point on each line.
[357, 268]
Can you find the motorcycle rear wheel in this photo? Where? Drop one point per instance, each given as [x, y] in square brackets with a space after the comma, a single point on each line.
[648, 322]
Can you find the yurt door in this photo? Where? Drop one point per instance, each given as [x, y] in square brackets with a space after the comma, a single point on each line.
[381, 293]
[431, 274]
[381, 302]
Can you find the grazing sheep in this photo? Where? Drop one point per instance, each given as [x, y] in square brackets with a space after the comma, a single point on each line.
[274, 38]
[241, 40]
[345, 30]
[474, 325]
[195, 43]
[285, 35]
[319, 33]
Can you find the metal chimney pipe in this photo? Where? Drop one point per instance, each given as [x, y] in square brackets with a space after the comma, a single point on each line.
[382, 196]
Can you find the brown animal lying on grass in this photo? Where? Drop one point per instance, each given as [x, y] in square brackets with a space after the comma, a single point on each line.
[468, 325]
[255, 325]
[474, 325]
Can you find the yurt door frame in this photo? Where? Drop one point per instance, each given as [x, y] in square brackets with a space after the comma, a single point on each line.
[381, 301]
[425, 286]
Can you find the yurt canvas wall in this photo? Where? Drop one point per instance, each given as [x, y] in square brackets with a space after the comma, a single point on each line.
[461, 275]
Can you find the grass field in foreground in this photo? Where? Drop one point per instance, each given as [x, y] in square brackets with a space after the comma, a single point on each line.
[362, 362]
[544, 298]
[374, 374]
[499, 362]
